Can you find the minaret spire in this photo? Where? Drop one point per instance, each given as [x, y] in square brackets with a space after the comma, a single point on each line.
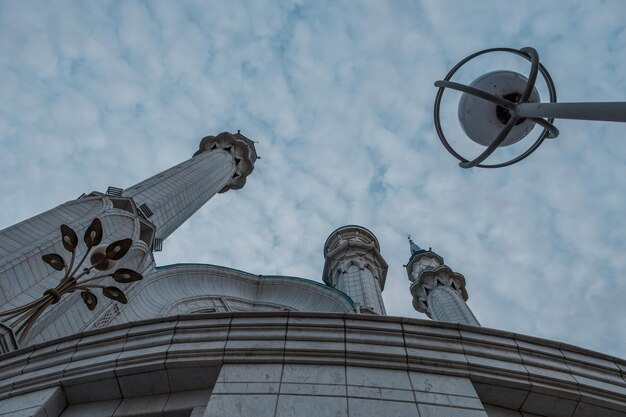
[414, 248]
[437, 290]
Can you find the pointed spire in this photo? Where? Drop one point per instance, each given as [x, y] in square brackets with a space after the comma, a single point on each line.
[414, 248]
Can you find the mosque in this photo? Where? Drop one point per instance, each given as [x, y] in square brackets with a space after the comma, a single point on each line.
[91, 326]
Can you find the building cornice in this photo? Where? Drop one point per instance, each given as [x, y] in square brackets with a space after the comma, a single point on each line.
[507, 369]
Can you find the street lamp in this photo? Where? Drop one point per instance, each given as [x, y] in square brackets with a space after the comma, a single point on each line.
[500, 108]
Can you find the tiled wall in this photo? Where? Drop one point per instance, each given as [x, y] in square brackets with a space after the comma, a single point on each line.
[293, 390]
[294, 364]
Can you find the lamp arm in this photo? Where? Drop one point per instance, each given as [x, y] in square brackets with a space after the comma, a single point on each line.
[601, 111]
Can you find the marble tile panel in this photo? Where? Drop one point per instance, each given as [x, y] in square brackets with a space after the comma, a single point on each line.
[205, 325]
[380, 393]
[251, 373]
[374, 377]
[145, 383]
[427, 410]
[27, 400]
[527, 344]
[93, 409]
[426, 382]
[314, 374]
[315, 347]
[448, 400]
[246, 388]
[258, 346]
[155, 326]
[149, 406]
[501, 395]
[25, 412]
[192, 378]
[588, 357]
[254, 321]
[187, 335]
[359, 407]
[80, 391]
[241, 406]
[370, 323]
[315, 333]
[483, 336]
[182, 402]
[105, 335]
[548, 405]
[305, 406]
[451, 359]
[590, 410]
[316, 322]
[313, 389]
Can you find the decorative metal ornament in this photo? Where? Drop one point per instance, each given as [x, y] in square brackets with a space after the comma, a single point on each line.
[501, 108]
[101, 259]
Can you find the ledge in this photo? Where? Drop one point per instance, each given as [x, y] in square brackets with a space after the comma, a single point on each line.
[507, 369]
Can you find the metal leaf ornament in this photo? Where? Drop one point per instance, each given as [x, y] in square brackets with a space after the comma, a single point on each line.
[90, 299]
[68, 238]
[118, 249]
[124, 276]
[77, 276]
[100, 261]
[115, 293]
[54, 260]
[93, 234]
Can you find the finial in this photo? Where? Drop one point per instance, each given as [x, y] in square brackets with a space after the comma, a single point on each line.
[414, 248]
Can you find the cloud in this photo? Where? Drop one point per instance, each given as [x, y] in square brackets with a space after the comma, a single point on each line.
[339, 96]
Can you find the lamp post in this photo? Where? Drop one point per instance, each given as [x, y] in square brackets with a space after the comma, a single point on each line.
[500, 108]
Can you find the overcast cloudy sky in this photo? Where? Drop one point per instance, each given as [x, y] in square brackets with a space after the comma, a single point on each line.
[339, 95]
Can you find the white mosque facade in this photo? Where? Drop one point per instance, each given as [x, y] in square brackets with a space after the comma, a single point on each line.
[192, 340]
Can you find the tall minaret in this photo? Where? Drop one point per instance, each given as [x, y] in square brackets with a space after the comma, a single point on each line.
[169, 198]
[437, 290]
[354, 266]
[153, 208]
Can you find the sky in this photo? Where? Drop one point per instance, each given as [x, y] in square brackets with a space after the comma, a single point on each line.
[339, 96]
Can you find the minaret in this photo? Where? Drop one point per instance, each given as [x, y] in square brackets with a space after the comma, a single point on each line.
[169, 198]
[153, 208]
[437, 290]
[354, 266]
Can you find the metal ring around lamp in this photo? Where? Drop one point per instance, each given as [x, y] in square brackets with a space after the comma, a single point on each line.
[548, 128]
